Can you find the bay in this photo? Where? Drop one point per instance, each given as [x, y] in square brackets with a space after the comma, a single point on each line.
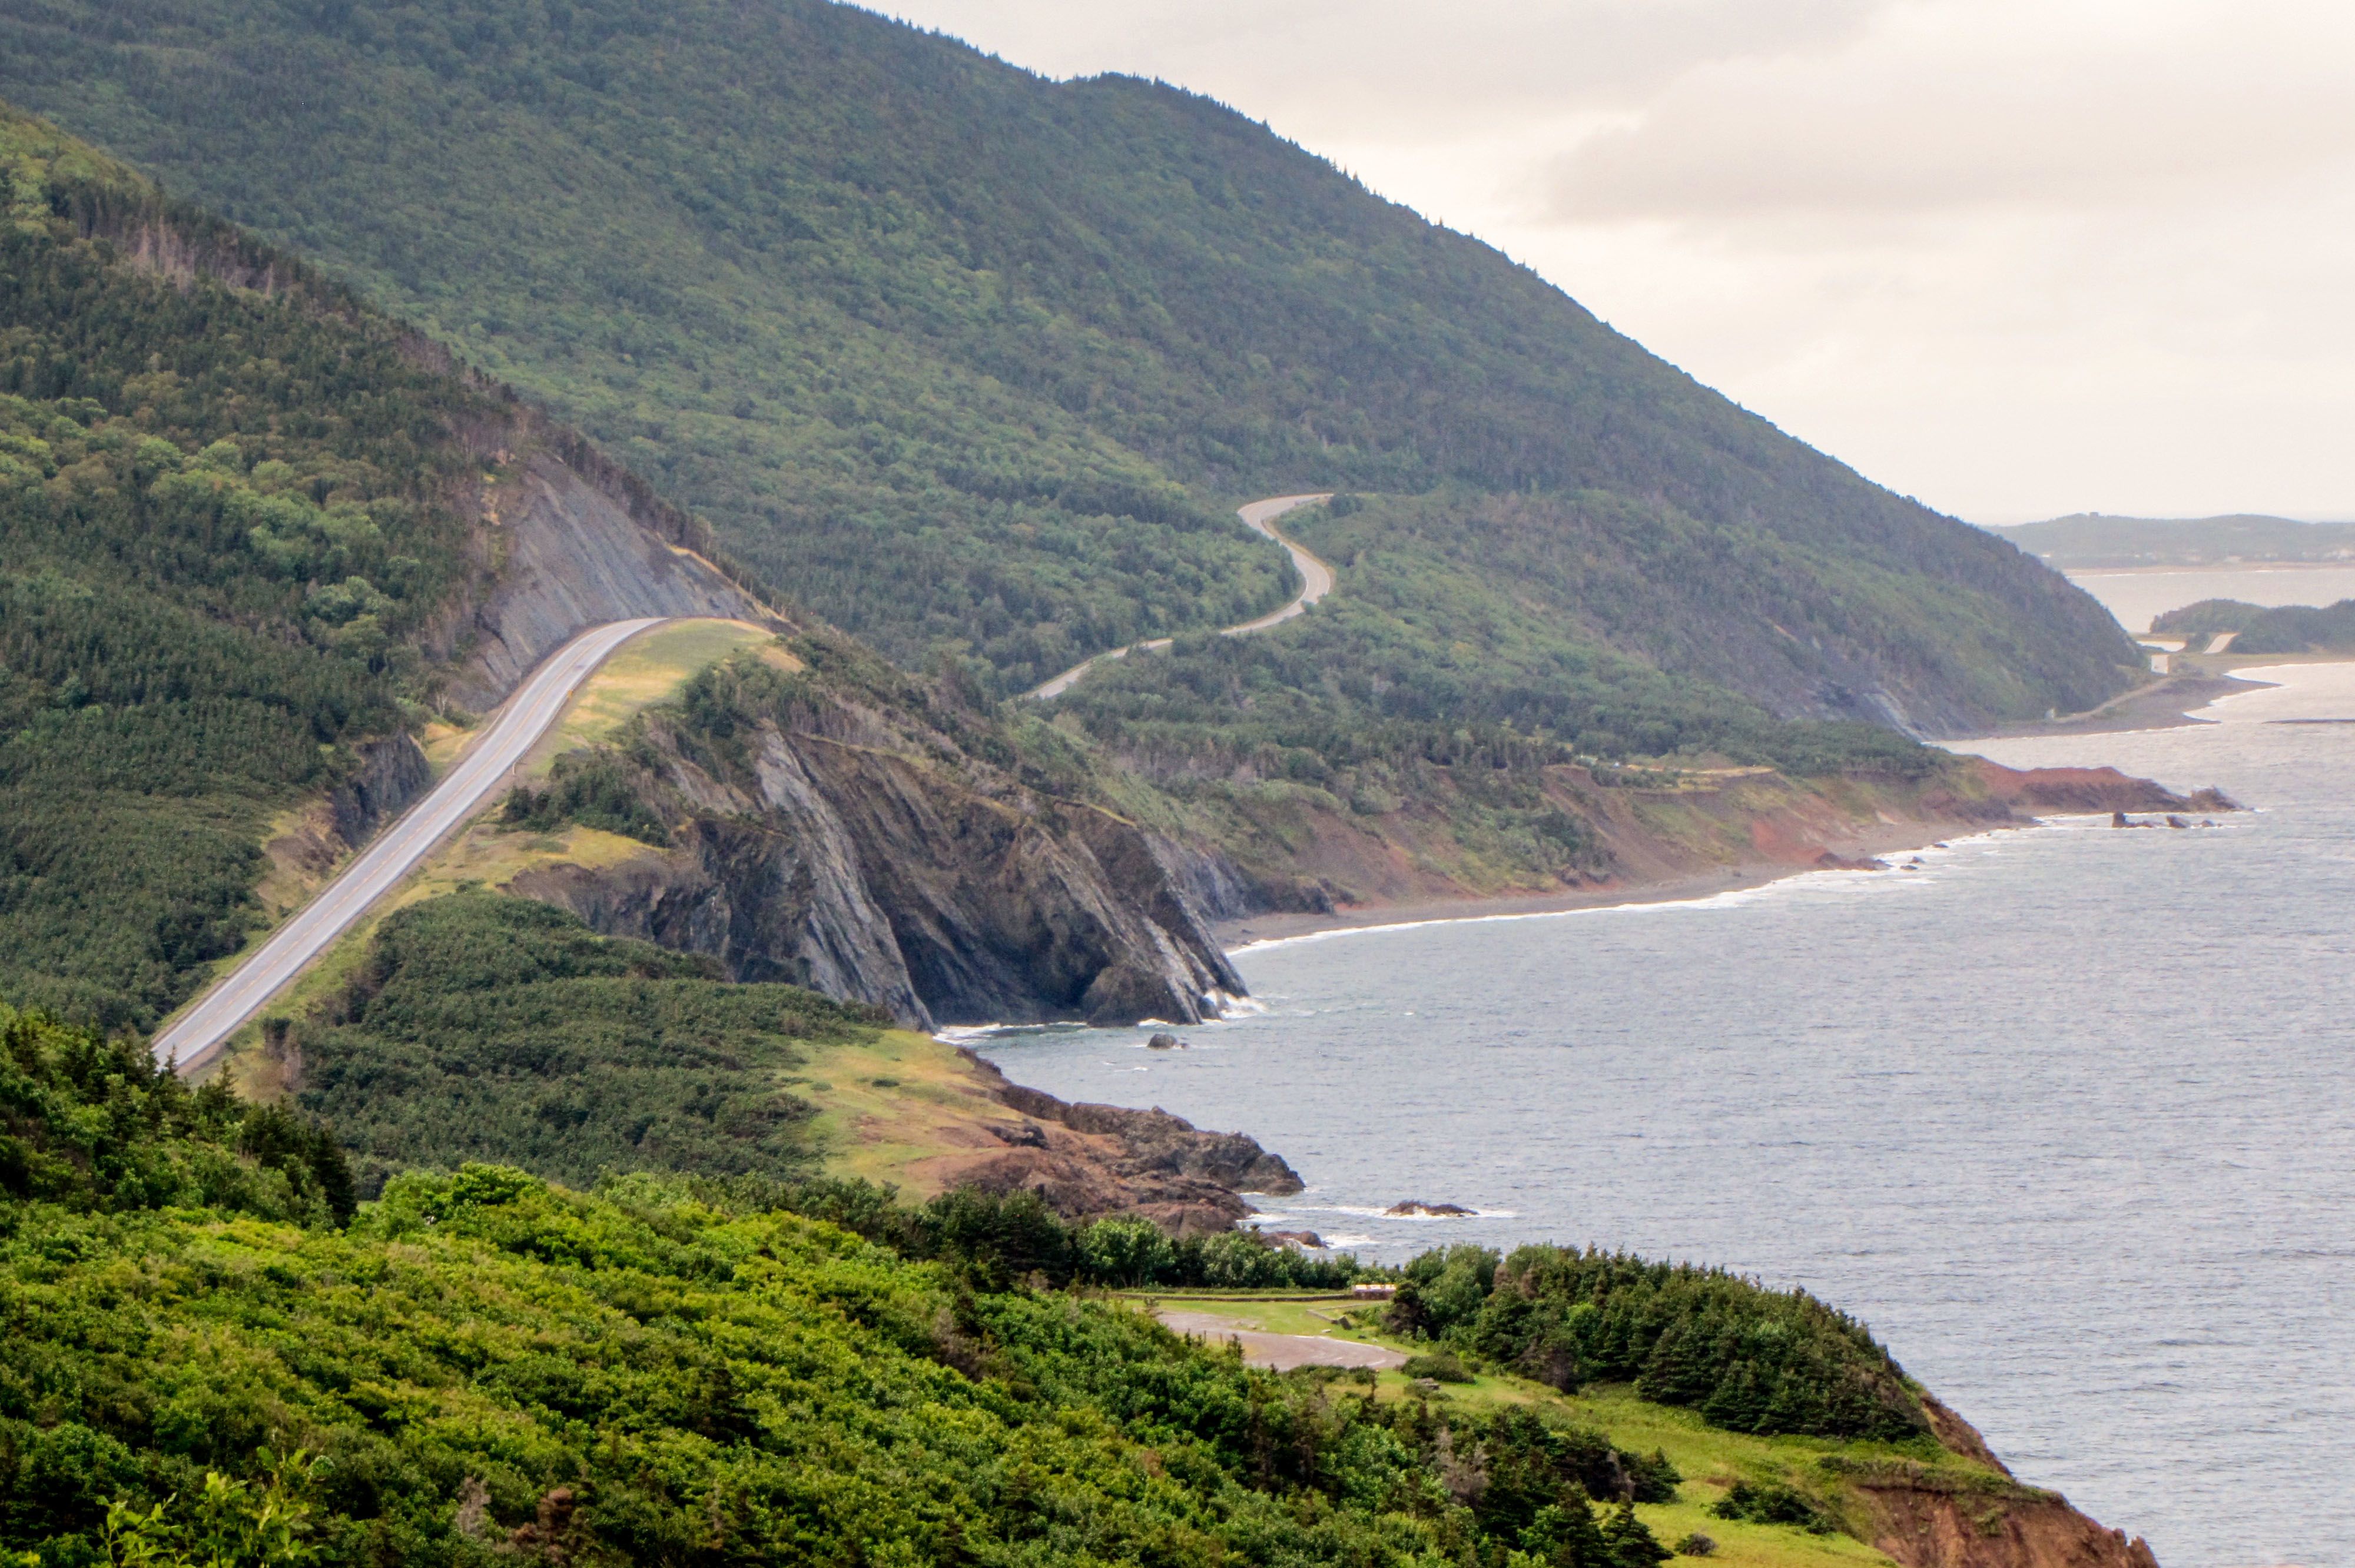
[2064, 1112]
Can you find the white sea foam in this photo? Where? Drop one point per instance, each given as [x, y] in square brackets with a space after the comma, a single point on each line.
[1799, 883]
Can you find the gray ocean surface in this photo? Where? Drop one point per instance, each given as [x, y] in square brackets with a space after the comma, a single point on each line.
[2067, 1115]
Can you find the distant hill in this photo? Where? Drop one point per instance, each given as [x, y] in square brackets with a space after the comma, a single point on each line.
[974, 363]
[2089, 539]
[2260, 628]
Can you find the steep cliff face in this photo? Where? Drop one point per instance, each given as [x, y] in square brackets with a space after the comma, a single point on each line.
[1928, 1519]
[569, 550]
[830, 827]
[393, 773]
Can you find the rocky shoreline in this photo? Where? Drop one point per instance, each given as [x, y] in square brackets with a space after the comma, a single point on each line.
[2014, 799]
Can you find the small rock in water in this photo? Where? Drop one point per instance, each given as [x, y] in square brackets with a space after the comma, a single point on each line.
[1164, 1042]
[1415, 1206]
[1309, 1239]
[2177, 822]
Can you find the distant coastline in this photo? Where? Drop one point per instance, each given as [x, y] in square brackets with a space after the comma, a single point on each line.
[1236, 936]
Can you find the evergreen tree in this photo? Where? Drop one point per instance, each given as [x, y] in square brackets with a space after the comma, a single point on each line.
[1564, 1535]
[1630, 1542]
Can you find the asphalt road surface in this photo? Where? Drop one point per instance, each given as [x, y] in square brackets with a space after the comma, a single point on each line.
[1316, 578]
[507, 737]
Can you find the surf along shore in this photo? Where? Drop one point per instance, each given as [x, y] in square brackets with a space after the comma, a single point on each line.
[1795, 836]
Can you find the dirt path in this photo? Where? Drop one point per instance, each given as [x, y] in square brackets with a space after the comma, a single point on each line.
[1316, 582]
[1281, 1352]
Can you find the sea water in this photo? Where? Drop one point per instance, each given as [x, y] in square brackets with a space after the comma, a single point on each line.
[2065, 1113]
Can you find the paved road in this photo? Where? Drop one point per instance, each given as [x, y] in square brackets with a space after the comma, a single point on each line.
[1316, 578]
[506, 738]
[1281, 1352]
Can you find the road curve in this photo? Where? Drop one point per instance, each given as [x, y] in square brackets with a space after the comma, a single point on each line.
[509, 734]
[1316, 578]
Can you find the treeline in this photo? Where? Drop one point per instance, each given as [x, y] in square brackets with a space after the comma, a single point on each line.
[92, 1125]
[1746, 1358]
[999, 1240]
[219, 522]
[481, 1367]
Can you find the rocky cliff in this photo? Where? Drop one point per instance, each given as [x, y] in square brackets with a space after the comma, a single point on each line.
[567, 553]
[839, 826]
[1927, 1519]
[1089, 1161]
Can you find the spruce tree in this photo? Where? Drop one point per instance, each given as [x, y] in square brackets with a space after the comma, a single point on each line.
[1630, 1541]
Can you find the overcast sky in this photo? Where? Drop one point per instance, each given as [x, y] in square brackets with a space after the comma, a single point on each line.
[2015, 257]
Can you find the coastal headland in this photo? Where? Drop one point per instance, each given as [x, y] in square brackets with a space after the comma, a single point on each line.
[1703, 833]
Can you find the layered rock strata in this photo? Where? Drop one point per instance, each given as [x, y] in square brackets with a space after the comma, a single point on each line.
[860, 852]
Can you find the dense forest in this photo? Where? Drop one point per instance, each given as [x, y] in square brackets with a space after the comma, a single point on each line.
[213, 1354]
[220, 523]
[1452, 647]
[972, 363]
[484, 1027]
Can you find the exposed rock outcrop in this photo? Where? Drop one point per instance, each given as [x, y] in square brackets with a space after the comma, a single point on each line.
[2090, 790]
[393, 773]
[570, 555]
[1159, 1143]
[1089, 1161]
[1929, 1519]
[846, 840]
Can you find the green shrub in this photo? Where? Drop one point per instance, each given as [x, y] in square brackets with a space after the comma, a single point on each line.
[1439, 1366]
[1126, 1252]
[1771, 1502]
[92, 1125]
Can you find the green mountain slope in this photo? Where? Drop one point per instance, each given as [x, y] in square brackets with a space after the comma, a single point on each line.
[2282, 629]
[221, 523]
[969, 360]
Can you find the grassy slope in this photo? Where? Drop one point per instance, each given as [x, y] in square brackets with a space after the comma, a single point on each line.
[970, 359]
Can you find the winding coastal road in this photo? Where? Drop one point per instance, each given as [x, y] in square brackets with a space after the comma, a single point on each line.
[193, 1038]
[197, 1034]
[1315, 579]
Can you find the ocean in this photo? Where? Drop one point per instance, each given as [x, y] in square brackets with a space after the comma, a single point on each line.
[2066, 1114]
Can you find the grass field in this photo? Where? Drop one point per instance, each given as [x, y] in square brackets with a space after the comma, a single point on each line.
[645, 671]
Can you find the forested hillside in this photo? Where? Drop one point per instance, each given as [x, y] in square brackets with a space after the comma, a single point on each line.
[2259, 629]
[213, 1354]
[222, 524]
[972, 362]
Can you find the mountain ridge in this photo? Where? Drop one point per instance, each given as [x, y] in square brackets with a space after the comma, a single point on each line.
[888, 311]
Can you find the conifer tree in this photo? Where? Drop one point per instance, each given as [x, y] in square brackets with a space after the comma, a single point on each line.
[1630, 1541]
